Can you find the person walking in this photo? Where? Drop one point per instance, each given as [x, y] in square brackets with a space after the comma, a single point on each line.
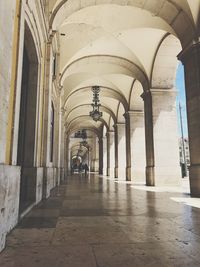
[86, 169]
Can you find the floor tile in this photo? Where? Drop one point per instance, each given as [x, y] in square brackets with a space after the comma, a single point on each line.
[63, 256]
[38, 222]
[100, 223]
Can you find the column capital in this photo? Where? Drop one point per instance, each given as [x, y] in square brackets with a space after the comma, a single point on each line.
[63, 110]
[49, 43]
[145, 94]
[189, 51]
[126, 114]
[60, 88]
[51, 34]
[156, 91]
[109, 133]
[134, 112]
[100, 138]
[163, 90]
[118, 124]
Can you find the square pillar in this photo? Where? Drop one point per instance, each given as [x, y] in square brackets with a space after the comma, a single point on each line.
[121, 147]
[100, 155]
[162, 151]
[116, 151]
[128, 145]
[104, 155]
[110, 154]
[138, 156]
[191, 60]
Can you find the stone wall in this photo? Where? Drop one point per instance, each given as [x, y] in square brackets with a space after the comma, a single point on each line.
[9, 200]
[7, 16]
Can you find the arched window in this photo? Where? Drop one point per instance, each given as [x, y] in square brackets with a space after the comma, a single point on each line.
[51, 131]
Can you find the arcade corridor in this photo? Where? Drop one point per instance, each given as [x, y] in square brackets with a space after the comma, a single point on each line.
[99, 222]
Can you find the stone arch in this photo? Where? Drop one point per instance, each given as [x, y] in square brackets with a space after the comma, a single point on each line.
[88, 120]
[181, 13]
[76, 147]
[83, 121]
[103, 108]
[164, 71]
[31, 24]
[135, 100]
[111, 124]
[110, 92]
[89, 149]
[130, 68]
[120, 113]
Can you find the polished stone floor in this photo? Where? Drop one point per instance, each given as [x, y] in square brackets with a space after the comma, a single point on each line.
[96, 222]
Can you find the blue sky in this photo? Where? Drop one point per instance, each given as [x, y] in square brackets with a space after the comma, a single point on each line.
[180, 85]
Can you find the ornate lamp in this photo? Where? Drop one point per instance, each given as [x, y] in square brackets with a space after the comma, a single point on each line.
[95, 113]
[81, 134]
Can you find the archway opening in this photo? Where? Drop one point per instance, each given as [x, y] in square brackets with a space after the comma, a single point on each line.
[182, 122]
[27, 123]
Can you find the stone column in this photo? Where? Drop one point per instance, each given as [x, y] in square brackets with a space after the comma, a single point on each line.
[149, 142]
[121, 132]
[56, 151]
[116, 151]
[62, 144]
[69, 160]
[128, 146]
[48, 176]
[191, 60]
[47, 104]
[162, 151]
[66, 156]
[137, 136]
[100, 155]
[104, 155]
[95, 155]
[108, 154]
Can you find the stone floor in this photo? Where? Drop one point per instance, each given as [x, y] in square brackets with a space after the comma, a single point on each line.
[96, 222]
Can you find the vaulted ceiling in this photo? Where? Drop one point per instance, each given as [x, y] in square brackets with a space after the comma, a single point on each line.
[123, 46]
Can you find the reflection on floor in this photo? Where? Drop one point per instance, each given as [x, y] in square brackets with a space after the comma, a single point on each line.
[96, 222]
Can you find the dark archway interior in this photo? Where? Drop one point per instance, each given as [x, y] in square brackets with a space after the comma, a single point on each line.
[27, 124]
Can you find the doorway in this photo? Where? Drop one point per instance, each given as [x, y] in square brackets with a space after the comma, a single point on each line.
[27, 123]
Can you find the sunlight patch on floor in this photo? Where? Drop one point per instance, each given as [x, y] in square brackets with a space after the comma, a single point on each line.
[183, 189]
[193, 202]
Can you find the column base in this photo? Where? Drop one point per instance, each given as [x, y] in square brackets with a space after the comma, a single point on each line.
[150, 179]
[31, 190]
[62, 174]
[163, 176]
[49, 181]
[108, 172]
[116, 172]
[194, 174]
[128, 173]
[100, 171]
